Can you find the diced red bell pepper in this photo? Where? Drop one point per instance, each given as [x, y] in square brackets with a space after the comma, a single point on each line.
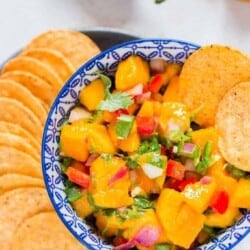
[121, 112]
[184, 183]
[78, 177]
[175, 169]
[155, 84]
[220, 202]
[145, 125]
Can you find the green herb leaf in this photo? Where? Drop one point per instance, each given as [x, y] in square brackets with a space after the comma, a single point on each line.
[150, 145]
[124, 126]
[110, 211]
[130, 213]
[210, 230]
[179, 135]
[91, 201]
[235, 172]
[156, 160]
[65, 162]
[116, 101]
[107, 84]
[73, 192]
[143, 202]
[163, 246]
[159, 1]
[94, 116]
[132, 162]
[206, 156]
[107, 157]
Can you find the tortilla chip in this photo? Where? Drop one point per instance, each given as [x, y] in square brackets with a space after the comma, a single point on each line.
[16, 161]
[54, 59]
[35, 67]
[75, 46]
[9, 182]
[19, 143]
[18, 205]
[233, 125]
[37, 86]
[15, 129]
[15, 112]
[207, 75]
[12, 89]
[33, 233]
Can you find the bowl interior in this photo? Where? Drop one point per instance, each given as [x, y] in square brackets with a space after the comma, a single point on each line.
[173, 51]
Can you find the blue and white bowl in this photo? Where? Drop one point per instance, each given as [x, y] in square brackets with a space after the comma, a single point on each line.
[173, 51]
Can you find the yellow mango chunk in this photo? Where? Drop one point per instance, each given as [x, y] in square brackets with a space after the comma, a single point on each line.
[171, 71]
[171, 92]
[223, 220]
[241, 195]
[105, 192]
[109, 225]
[148, 219]
[74, 142]
[174, 216]
[147, 109]
[201, 136]
[223, 180]
[130, 72]
[130, 144]
[198, 195]
[81, 137]
[173, 116]
[92, 94]
[82, 206]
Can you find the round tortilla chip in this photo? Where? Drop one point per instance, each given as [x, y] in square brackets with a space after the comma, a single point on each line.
[9, 182]
[15, 161]
[35, 67]
[44, 231]
[55, 59]
[19, 143]
[207, 75]
[233, 125]
[12, 89]
[75, 46]
[18, 205]
[37, 86]
[15, 129]
[15, 112]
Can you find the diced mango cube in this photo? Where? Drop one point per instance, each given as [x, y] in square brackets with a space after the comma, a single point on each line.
[198, 195]
[130, 72]
[92, 94]
[147, 109]
[171, 92]
[223, 220]
[241, 195]
[105, 193]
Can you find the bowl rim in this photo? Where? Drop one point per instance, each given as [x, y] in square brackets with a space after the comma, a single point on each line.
[56, 102]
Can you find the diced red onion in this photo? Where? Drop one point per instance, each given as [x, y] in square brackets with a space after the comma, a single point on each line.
[120, 174]
[157, 66]
[143, 97]
[205, 180]
[192, 175]
[78, 113]
[136, 90]
[147, 236]
[188, 148]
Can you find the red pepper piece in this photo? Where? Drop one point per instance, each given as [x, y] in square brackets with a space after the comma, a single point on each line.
[220, 202]
[155, 83]
[184, 183]
[145, 125]
[175, 170]
[78, 177]
[121, 112]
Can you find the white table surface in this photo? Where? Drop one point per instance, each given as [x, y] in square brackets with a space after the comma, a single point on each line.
[200, 21]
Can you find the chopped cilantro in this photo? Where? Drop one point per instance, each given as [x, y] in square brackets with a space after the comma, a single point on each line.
[130, 213]
[179, 135]
[150, 145]
[107, 84]
[132, 162]
[156, 160]
[163, 246]
[72, 191]
[116, 101]
[235, 172]
[110, 211]
[65, 162]
[159, 1]
[143, 202]
[91, 201]
[107, 157]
